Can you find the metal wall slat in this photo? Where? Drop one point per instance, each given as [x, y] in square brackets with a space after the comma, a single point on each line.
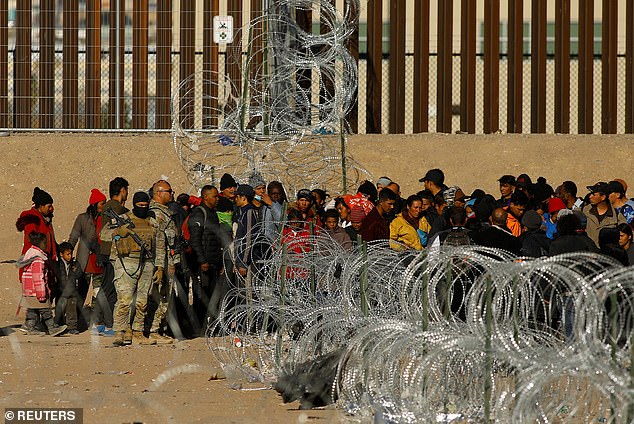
[515, 67]
[491, 66]
[374, 67]
[538, 67]
[421, 67]
[468, 67]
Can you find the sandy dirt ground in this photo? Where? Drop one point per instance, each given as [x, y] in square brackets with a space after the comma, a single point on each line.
[175, 383]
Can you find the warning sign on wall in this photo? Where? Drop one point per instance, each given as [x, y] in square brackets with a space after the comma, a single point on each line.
[223, 29]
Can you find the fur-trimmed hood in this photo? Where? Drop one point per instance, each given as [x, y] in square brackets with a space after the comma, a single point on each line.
[28, 217]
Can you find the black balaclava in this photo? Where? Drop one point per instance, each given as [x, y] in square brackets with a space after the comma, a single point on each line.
[140, 212]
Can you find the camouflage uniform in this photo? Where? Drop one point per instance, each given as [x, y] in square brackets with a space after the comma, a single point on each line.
[165, 237]
[132, 272]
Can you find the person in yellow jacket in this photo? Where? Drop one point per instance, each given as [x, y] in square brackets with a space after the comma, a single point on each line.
[404, 229]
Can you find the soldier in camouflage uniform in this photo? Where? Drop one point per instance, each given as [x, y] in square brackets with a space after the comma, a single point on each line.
[133, 269]
[167, 255]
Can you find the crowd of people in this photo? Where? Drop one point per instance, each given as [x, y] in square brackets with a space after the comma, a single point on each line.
[161, 269]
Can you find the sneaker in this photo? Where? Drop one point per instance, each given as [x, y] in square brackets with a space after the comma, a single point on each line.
[73, 331]
[57, 330]
[159, 339]
[107, 332]
[24, 329]
[98, 329]
[138, 337]
[35, 332]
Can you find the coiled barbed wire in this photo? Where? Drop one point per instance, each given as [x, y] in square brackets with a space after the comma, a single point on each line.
[277, 126]
[458, 333]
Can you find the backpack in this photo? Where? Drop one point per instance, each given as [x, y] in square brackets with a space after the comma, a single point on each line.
[187, 248]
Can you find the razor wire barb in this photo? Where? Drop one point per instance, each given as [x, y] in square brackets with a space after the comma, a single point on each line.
[440, 333]
[270, 124]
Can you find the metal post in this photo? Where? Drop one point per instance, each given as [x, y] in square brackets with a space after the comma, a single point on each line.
[117, 71]
[344, 175]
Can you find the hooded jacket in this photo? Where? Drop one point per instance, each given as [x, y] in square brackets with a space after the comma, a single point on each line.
[32, 220]
[33, 278]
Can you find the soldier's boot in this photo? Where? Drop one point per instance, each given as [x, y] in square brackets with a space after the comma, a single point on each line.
[118, 338]
[139, 338]
[159, 339]
[127, 337]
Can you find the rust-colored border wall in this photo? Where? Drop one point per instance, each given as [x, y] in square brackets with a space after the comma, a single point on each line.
[491, 66]
[609, 67]
[353, 48]
[444, 74]
[397, 66]
[629, 69]
[538, 67]
[375, 69]
[112, 82]
[47, 64]
[468, 67]
[70, 68]
[586, 66]
[93, 64]
[163, 64]
[515, 88]
[562, 66]
[22, 81]
[139, 64]
[421, 67]
[326, 84]
[186, 71]
[210, 66]
[34, 97]
[4, 64]
[233, 64]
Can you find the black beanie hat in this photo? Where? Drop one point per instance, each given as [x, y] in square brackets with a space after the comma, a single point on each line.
[40, 197]
[227, 181]
[140, 196]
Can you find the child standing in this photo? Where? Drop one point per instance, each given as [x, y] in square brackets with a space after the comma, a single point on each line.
[35, 290]
[68, 272]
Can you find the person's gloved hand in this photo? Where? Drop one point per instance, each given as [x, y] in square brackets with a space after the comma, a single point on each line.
[158, 275]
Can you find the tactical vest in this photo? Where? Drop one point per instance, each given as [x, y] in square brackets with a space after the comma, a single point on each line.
[126, 246]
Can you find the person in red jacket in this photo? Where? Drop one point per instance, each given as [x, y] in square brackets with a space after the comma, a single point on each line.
[39, 219]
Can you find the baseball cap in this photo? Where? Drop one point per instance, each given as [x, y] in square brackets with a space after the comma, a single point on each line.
[600, 187]
[245, 190]
[615, 187]
[436, 176]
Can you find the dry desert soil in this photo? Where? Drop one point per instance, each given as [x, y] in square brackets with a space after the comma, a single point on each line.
[174, 383]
